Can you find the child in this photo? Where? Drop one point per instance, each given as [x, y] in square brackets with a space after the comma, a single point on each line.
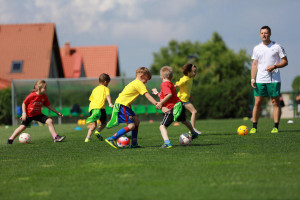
[171, 106]
[185, 84]
[31, 109]
[123, 113]
[97, 107]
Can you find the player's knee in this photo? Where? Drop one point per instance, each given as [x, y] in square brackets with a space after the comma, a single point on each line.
[194, 112]
[49, 121]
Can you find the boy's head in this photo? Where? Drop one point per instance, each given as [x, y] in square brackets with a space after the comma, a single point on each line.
[166, 72]
[104, 79]
[143, 74]
[189, 69]
[40, 85]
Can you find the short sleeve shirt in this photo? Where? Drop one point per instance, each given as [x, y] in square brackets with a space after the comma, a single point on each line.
[98, 97]
[267, 55]
[167, 87]
[34, 104]
[131, 92]
[185, 84]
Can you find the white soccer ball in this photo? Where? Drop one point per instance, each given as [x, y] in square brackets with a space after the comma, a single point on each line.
[185, 139]
[123, 142]
[24, 138]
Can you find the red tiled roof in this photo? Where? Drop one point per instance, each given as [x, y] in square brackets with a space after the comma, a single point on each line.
[4, 83]
[31, 43]
[96, 60]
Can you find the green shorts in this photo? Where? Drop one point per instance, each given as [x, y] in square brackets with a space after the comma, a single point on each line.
[267, 89]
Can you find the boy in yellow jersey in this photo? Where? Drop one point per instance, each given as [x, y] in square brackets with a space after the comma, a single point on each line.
[124, 113]
[97, 107]
[185, 84]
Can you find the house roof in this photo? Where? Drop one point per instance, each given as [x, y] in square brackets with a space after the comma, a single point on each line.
[96, 60]
[30, 43]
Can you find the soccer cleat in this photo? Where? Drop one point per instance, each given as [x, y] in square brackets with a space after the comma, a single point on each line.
[59, 138]
[198, 132]
[111, 142]
[136, 146]
[10, 141]
[87, 140]
[99, 136]
[194, 135]
[274, 130]
[253, 130]
[166, 146]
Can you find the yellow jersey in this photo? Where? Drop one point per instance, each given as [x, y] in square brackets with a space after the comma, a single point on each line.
[131, 92]
[185, 84]
[98, 97]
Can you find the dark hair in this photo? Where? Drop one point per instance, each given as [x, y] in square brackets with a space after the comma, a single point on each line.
[188, 68]
[266, 27]
[104, 77]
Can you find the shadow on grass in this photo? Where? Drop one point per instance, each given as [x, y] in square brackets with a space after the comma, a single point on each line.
[287, 131]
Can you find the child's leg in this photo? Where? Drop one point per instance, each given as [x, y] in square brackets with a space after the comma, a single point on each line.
[91, 129]
[189, 126]
[135, 131]
[101, 127]
[164, 132]
[18, 130]
[122, 131]
[192, 109]
[51, 127]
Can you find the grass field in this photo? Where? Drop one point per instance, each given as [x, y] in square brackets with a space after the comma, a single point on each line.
[218, 165]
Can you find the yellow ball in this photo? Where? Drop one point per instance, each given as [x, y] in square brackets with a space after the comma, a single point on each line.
[242, 130]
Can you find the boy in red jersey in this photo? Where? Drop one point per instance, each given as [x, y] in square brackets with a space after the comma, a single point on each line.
[171, 106]
[31, 109]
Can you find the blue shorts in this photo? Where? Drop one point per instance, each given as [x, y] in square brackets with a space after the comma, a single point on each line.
[126, 115]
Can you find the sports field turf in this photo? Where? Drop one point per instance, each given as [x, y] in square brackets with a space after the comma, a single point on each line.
[218, 165]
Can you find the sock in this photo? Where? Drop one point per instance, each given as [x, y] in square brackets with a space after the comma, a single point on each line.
[120, 133]
[134, 137]
[255, 125]
[276, 125]
[167, 141]
[54, 136]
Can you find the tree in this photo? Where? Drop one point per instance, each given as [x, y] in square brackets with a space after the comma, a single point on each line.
[221, 88]
[296, 83]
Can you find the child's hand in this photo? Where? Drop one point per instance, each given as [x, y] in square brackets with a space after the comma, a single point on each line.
[59, 114]
[154, 91]
[158, 105]
[165, 110]
[111, 105]
[23, 117]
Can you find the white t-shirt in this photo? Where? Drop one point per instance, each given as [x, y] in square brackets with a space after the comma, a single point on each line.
[267, 55]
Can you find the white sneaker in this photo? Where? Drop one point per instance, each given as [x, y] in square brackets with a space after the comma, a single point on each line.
[198, 132]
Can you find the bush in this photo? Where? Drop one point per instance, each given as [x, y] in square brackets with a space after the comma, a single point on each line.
[5, 106]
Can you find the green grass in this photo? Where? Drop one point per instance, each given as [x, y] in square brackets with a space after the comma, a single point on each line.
[218, 165]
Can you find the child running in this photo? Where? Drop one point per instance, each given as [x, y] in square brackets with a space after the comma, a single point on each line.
[171, 106]
[122, 112]
[31, 110]
[97, 107]
[185, 84]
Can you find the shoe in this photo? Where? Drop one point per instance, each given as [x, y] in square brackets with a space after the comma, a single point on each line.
[87, 140]
[99, 136]
[167, 146]
[136, 146]
[10, 141]
[253, 130]
[194, 135]
[198, 132]
[111, 142]
[59, 138]
[274, 130]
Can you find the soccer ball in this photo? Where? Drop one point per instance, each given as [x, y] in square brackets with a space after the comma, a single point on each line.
[123, 142]
[242, 130]
[185, 139]
[24, 138]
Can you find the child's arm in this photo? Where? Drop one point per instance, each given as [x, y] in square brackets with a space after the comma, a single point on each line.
[150, 98]
[109, 101]
[167, 97]
[53, 109]
[24, 114]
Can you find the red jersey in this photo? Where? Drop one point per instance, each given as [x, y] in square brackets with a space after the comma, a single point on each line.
[166, 88]
[34, 104]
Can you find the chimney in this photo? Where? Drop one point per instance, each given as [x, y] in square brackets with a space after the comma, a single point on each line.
[67, 49]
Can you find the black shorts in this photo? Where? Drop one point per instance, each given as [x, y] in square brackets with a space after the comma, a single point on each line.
[41, 118]
[103, 117]
[169, 118]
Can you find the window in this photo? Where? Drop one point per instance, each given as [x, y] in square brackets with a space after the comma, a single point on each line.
[16, 66]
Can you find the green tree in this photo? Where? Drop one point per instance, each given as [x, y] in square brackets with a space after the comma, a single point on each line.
[296, 83]
[5, 106]
[221, 88]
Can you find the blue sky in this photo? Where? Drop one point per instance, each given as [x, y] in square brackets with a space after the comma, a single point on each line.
[141, 27]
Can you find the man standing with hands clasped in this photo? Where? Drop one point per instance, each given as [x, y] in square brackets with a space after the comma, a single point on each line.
[268, 57]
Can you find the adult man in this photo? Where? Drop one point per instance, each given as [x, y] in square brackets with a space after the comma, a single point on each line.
[268, 57]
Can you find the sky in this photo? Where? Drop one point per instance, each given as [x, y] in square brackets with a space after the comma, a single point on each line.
[141, 27]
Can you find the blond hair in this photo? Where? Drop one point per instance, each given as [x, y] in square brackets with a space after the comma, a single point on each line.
[144, 72]
[38, 85]
[166, 72]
